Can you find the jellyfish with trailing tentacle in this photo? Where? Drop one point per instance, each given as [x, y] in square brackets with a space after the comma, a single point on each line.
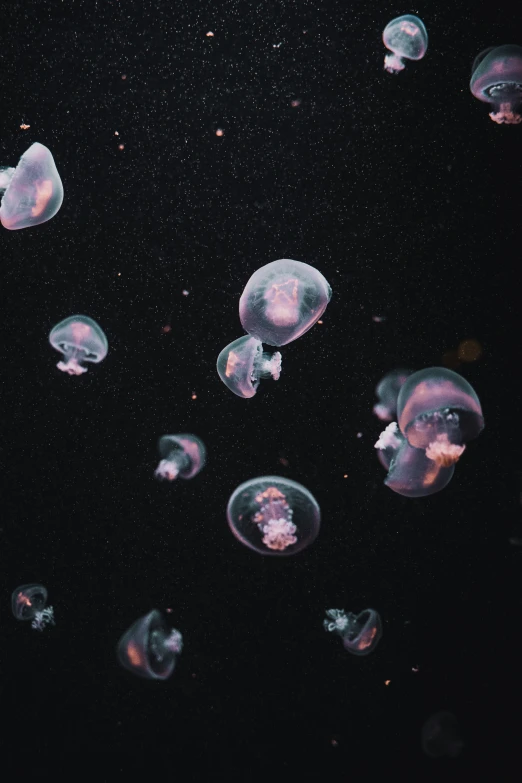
[79, 339]
[407, 39]
[181, 455]
[150, 649]
[496, 78]
[33, 190]
[360, 632]
[28, 603]
[387, 391]
[243, 363]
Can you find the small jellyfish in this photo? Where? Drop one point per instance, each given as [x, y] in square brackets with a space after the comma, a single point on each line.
[243, 363]
[80, 339]
[283, 300]
[496, 78]
[33, 190]
[28, 603]
[181, 455]
[407, 38]
[149, 649]
[360, 632]
[387, 390]
[273, 515]
[439, 411]
[441, 736]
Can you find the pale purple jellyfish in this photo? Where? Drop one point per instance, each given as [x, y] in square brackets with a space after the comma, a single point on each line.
[496, 78]
[387, 391]
[181, 455]
[407, 38]
[360, 632]
[33, 190]
[28, 603]
[243, 363]
[283, 300]
[149, 649]
[80, 339]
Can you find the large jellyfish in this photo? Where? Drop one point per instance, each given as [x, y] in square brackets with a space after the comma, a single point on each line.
[149, 648]
[496, 78]
[181, 455]
[80, 339]
[33, 190]
[407, 38]
[273, 515]
[243, 363]
[28, 603]
[283, 300]
[360, 632]
[387, 390]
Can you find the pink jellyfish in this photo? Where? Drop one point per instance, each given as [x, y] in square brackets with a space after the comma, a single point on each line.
[33, 190]
[80, 339]
[181, 455]
[243, 363]
[407, 38]
[149, 649]
[360, 632]
[496, 78]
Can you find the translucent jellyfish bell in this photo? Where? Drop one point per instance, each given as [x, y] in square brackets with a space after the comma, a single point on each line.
[283, 300]
[80, 339]
[387, 391]
[28, 603]
[181, 455]
[273, 515]
[33, 190]
[496, 78]
[242, 364]
[360, 632]
[407, 38]
[149, 649]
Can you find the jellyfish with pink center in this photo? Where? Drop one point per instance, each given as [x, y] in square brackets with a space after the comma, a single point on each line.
[496, 78]
[28, 602]
[360, 632]
[33, 191]
[243, 363]
[407, 39]
[149, 648]
[181, 455]
[79, 339]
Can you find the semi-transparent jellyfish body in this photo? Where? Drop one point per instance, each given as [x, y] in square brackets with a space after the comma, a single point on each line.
[81, 340]
[410, 472]
[181, 455]
[407, 39]
[149, 649]
[387, 391]
[360, 632]
[33, 190]
[496, 78]
[439, 411]
[28, 603]
[243, 363]
[273, 515]
[283, 300]
[441, 736]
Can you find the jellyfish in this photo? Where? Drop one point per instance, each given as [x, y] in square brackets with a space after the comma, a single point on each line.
[273, 515]
[496, 78]
[80, 339]
[407, 38]
[148, 648]
[439, 411]
[33, 190]
[283, 300]
[28, 603]
[181, 455]
[387, 390]
[243, 363]
[441, 736]
[360, 632]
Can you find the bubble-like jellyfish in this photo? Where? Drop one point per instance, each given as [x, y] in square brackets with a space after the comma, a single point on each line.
[80, 339]
[387, 391]
[181, 455]
[273, 515]
[407, 38]
[283, 300]
[439, 411]
[28, 603]
[360, 632]
[243, 363]
[149, 649]
[33, 190]
[441, 736]
[496, 78]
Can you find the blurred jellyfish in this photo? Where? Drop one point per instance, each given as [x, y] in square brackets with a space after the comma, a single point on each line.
[181, 455]
[149, 649]
[439, 411]
[28, 603]
[273, 515]
[441, 736]
[360, 632]
[387, 390]
[33, 190]
[496, 78]
[80, 339]
[283, 300]
[243, 363]
[407, 38]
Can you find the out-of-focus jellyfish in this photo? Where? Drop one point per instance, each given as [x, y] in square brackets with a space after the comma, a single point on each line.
[407, 38]
[28, 603]
[33, 190]
[80, 339]
[496, 78]
[439, 411]
[360, 632]
[283, 300]
[149, 648]
[273, 515]
[181, 455]
[441, 736]
[243, 363]
[387, 391]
